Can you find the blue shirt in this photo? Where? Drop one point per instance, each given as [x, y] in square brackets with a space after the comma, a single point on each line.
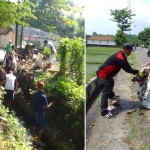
[39, 101]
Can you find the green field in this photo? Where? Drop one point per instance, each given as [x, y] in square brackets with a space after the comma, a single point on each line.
[95, 57]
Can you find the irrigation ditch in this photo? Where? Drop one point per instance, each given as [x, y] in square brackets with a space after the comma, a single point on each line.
[60, 134]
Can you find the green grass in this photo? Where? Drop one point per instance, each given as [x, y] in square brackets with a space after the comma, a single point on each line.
[100, 49]
[95, 57]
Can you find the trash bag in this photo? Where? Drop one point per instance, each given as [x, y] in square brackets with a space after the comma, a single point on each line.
[38, 61]
[143, 88]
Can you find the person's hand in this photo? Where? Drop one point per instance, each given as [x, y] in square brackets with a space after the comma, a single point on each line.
[144, 65]
[140, 73]
[16, 90]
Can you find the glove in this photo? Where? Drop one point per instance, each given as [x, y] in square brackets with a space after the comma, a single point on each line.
[140, 74]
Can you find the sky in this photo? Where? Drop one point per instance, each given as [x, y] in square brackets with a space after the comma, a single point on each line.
[97, 15]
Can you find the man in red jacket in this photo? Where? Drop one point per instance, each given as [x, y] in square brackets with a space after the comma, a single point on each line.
[108, 70]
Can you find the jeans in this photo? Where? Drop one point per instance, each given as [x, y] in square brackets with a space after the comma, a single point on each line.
[106, 87]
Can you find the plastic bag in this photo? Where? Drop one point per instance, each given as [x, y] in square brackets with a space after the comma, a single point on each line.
[143, 90]
[38, 61]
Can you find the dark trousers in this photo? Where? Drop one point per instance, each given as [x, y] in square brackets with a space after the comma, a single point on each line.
[106, 87]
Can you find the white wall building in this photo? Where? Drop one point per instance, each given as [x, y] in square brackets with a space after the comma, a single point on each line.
[100, 40]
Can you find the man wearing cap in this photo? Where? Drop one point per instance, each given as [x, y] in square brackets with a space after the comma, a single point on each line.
[38, 116]
[108, 70]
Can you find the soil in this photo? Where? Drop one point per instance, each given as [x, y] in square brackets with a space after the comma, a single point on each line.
[115, 134]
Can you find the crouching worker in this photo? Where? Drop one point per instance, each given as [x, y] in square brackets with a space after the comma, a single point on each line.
[10, 85]
[108, 70]
[38, 116]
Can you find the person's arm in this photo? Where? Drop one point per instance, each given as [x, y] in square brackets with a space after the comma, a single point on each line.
[126, 67]
[148, 63]
[45, 104]
[16, 83]
[2, 82]
[49, 105]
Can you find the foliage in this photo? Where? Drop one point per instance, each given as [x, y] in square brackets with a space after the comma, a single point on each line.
[120, 38]
[144, 36]
[133, 39]
[10, 13]
[71, 54]
[79, 30]
[68, 112]
[121, 17]
[56, 16]
[94, 33]
[47, 50]
[64, 87]
[12, 134]
[87, 36]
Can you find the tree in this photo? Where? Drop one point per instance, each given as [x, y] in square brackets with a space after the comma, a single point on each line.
[10, 13]
[120, 38]
[87, 36]
[79, 30]
[94, 33]
[57, 16]
[121, 17]
[144, 36]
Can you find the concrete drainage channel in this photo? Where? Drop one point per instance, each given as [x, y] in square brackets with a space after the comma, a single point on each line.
[92, 105]
[25, 122]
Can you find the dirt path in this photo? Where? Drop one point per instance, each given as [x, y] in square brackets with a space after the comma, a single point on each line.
[113, 134]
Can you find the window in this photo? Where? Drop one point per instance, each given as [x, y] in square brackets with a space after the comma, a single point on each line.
[100, 41]
[93, 41]
[107, 42]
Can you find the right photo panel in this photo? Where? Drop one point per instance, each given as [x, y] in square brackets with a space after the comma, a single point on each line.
[117, 75]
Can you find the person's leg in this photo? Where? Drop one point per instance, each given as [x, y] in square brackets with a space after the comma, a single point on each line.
[9, 104]
[7, 65]
[33, 122]
[34, 130]
[111, 83]
[11, 98]
[6, 98]
[105, 89]
[40, 133]
[41, 121]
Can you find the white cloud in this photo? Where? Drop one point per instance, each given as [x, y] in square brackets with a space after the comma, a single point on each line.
[97, 15]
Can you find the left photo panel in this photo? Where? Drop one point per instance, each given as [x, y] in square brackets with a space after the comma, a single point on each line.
[42, 73]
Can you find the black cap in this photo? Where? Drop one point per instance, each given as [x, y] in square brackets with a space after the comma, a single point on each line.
[127, 46]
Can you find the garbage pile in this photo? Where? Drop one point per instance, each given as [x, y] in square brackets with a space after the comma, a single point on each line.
[143, 87]
[41, 62]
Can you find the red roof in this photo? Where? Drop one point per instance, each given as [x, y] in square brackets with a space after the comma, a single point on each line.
[101, 38]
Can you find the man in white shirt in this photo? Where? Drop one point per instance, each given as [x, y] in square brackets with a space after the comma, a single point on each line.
[10, 85]
[53, 51]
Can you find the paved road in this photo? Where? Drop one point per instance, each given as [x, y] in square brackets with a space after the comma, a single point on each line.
[95, 140]
[142, 55]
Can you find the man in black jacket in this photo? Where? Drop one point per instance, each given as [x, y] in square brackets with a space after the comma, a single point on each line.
[108, 70]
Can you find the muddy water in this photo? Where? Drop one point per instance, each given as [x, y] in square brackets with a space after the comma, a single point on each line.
[26, 123]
